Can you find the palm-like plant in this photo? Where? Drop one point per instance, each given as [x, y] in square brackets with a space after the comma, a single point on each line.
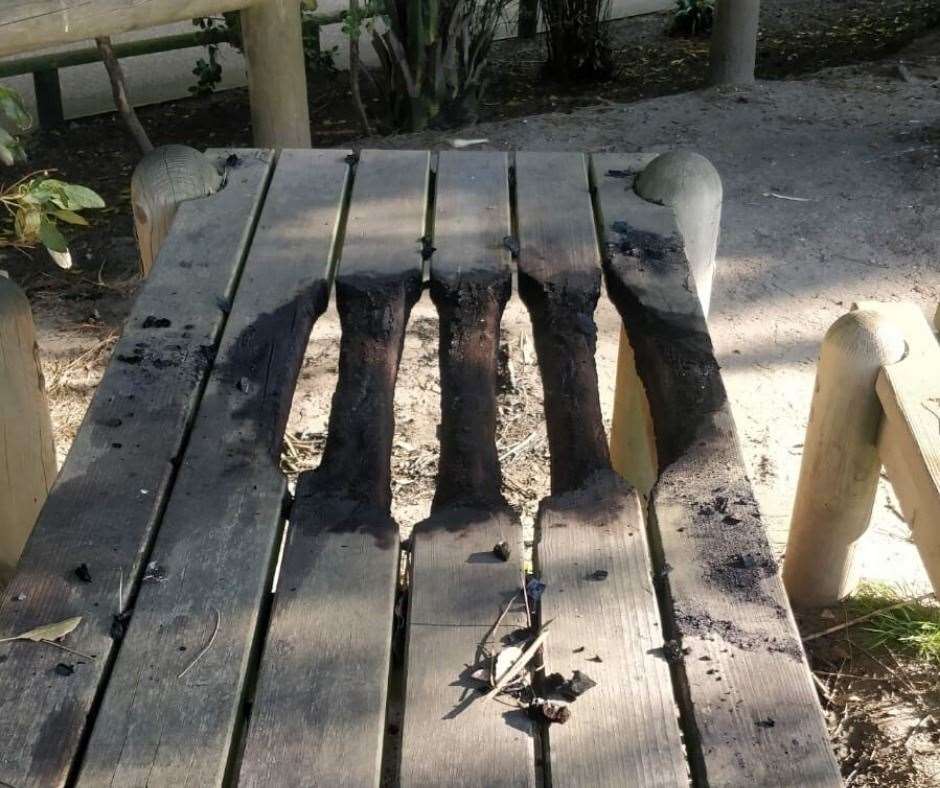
[433, 55]
[578, 41]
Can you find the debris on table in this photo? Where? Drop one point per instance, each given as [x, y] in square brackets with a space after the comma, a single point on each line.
[502, 550]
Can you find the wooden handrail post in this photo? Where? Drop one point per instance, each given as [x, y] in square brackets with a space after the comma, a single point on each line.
[164, 178]
[840, 469]
[277, 76]
[691, 186]
[734, 42]
[26, 443]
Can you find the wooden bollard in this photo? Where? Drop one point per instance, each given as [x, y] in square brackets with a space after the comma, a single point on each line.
[840, 469]
[28, 468]
[734, 42]
[164, 178]
[277, 75]
[689, 184]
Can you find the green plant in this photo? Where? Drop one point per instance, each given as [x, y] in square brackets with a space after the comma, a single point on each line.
[36, 203]
[693, 17]
[433, 55]
[578, 40]
[912, 628]
[208, 70]
[14, 120]
[227, 28]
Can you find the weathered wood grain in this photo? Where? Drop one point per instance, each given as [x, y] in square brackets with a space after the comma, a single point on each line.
[109, 495]
[750, 712]
[319, 710]
[909, 439]
[458, 589]
[624, 732]
[27, 450]
[174, 700]
[318, 716]
[593, 556]
[559, 281]
[470, 284]
[458, 586]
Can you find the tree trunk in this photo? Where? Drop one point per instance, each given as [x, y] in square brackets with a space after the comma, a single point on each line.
[734, 42]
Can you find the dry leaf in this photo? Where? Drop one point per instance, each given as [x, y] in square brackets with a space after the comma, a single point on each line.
[47, 632]
[505, 660]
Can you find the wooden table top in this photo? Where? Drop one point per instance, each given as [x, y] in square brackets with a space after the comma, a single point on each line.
[164, 527]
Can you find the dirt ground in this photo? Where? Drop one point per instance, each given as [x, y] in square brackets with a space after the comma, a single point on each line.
[860, 147]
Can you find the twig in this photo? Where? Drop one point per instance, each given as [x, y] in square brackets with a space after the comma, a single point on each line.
[89, 657]
[205, 648]
[499, 619]
[518, 665]
[788, 197]
[525, 597]
[839, 627]
[119, 91]
[823, 689]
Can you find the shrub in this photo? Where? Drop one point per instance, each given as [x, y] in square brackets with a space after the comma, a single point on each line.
[693, 17]
[578, 41]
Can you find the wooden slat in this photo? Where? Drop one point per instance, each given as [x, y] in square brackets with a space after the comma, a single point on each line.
[319, 710]
[750, 710]
[625, 731]
[559, 281]
[107, 500]
[909, 439]
[458, 586]
[174, 700]
[451, 736]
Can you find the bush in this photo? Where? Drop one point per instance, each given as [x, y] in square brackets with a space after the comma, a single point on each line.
[36, 203]
[578, 41]
[693, 17]
[433, 57]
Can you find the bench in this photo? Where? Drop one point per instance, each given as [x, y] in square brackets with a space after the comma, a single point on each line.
[164, 528]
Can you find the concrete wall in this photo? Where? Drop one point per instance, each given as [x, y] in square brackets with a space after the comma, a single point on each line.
[168, 75]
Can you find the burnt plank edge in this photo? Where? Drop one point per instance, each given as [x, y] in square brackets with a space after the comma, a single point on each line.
[559, 282]
[458, 584]
[750, 710]
[330, 636]
[158, 372]
[172, 709]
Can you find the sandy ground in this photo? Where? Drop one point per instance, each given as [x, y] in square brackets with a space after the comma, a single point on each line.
[858, 145]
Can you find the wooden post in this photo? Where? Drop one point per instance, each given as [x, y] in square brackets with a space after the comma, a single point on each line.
[163, 179]
[48, 98]
[528, 18]
[26, 444]
[734, 42]
[277, 76]
[691, 186]
[840, 469]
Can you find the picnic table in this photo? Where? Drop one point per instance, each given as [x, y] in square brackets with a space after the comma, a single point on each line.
[191, 666]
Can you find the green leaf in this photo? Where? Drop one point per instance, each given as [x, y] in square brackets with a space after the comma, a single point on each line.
[69, 216]
[13, 109]
[51, 237]
[6, 155]
[81, 197]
